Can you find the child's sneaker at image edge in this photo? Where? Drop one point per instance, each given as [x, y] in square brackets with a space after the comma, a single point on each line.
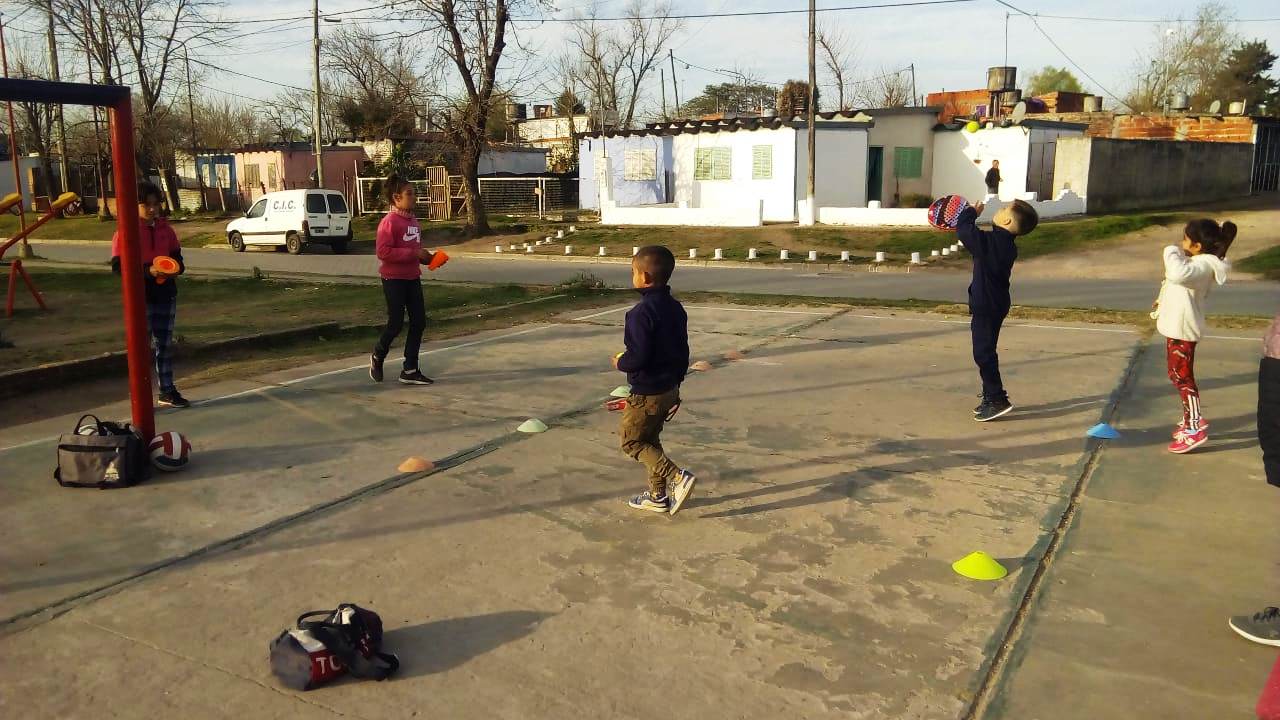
[1263, 627]
[645, 501]
[1182, 427]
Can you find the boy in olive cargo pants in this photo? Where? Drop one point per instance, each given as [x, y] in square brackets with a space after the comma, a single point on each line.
[655, 361]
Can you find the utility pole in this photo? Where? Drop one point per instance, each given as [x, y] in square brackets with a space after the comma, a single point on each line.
[913, 85]
[809, 216]
[195, 144]
[662, 82]
[62, 128]
[675, 89]
[315, 112]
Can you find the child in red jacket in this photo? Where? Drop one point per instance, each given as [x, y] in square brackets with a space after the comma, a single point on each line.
[401, 256]
[155, 238]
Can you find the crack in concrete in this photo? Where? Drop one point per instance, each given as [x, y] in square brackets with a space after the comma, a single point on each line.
[995, 674]
[52, 610]
[218, 668]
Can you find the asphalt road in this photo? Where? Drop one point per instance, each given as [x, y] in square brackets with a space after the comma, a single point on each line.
[1236, 298]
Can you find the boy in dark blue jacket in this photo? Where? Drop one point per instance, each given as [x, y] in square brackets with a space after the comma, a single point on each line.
[993, 256]
[655, 361]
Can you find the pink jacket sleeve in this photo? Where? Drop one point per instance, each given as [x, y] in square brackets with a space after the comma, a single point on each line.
[115, 244]
[386, 245]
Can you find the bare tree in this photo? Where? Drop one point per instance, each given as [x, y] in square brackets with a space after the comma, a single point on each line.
[1184, 57]
[383, 91]
[473, 36]
[149, 34]
[35, 120]
[616, 61]
[891, 88]
[839, 58]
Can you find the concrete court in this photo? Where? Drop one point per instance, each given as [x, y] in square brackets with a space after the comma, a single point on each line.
[840, 474]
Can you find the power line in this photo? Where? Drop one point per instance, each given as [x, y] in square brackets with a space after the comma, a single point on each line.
[1058, 47]
[1144, 21]
[746, 13]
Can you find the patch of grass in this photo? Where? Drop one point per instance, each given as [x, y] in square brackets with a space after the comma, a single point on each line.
[85, 315]
[1265, 263]
[1139, 319]
[1058, 236]
[84, 227]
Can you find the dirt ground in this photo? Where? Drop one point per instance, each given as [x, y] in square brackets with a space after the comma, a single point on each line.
[1137, 255]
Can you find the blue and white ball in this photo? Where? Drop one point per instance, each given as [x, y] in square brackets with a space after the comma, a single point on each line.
[169, 451]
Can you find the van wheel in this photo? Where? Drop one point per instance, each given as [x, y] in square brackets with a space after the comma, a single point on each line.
[236, 242]
[339, 247]
[293, 243]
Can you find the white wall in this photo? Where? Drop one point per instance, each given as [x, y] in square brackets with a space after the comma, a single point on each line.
[840, 175]
[961, 160]
[743, 213]
[904, 130]
[1066, 203]
[25, 165]
[524, 162]
[776, 193]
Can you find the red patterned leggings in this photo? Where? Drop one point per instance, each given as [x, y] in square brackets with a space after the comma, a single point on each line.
[1181, 355]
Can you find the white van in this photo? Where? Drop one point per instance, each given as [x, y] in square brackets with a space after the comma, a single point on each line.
[293, 219]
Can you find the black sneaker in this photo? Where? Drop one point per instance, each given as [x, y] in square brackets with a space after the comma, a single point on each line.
[1263, 627]
[415, 377]
[375, 368]
[645, 501]
[173, 398]
[983, 400]
[991, 409]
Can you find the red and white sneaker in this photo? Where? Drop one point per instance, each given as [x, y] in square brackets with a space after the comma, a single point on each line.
[1186, 442]
[1182, 427]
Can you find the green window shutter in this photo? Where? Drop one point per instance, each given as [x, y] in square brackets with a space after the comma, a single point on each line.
[702, 164]
[908, 162]
[762, 162]
[722, 164]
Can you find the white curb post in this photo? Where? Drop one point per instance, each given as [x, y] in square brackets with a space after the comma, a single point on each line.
[784, 255]
[528, 248]
[568, 249]
[915, 258]
[573, 229]
[497, 248]
[559, 234]
[946, 251]
[752, 254]
[603, 252]
[813, 256]
[844, 256]
[935, 253]
[880, 256]
[719, 254]
[693, 253]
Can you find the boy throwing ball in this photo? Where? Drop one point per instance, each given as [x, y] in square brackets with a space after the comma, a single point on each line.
[655, 361]
[993, 256]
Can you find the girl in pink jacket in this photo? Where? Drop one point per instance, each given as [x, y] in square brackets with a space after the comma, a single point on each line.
[401, 256]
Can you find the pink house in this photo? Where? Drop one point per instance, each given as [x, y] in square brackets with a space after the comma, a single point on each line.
[288, 166]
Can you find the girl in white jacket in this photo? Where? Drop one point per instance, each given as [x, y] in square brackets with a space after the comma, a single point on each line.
[1190, 273]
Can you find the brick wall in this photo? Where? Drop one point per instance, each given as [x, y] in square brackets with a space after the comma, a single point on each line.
[961, 103]
[1194, 128]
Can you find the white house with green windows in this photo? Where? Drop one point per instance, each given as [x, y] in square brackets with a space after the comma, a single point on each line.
[726, 164]
[900, 153]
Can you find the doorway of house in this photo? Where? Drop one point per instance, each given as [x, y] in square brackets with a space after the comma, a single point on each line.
[875, 173]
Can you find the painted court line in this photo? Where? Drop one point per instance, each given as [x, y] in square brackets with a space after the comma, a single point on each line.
[295, 381]
[759, 310]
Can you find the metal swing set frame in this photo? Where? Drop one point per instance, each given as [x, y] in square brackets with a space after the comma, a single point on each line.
[119, 103]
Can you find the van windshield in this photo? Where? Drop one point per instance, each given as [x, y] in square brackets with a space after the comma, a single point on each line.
[337, 204]
[315, 203]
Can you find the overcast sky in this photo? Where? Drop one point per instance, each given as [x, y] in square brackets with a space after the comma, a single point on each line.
[950, 46]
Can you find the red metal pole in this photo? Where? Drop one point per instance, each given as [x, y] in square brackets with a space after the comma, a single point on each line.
[137, 340]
